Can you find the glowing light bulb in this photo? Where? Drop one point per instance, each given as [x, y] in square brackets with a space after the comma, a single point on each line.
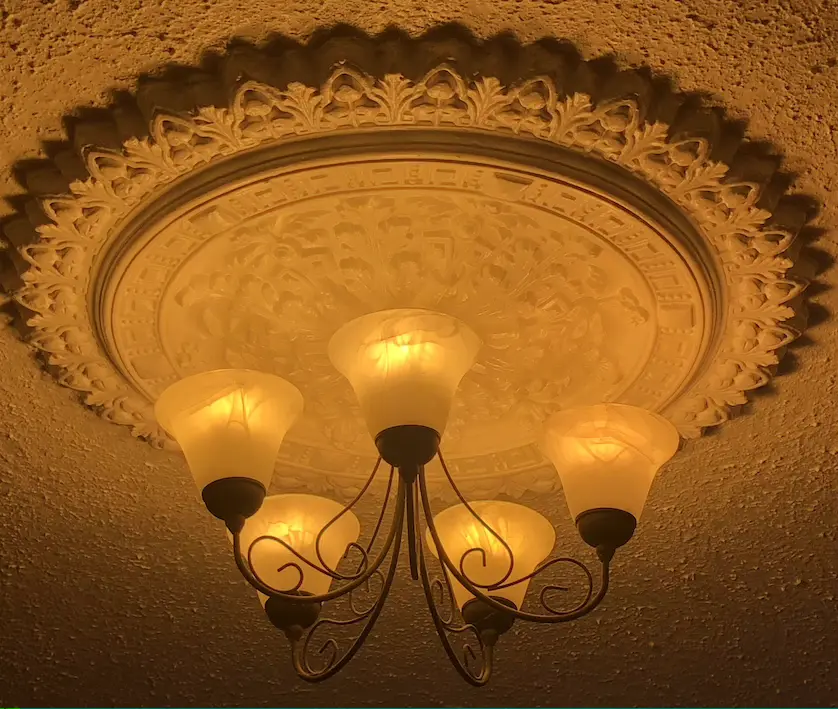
[295, 533]
[604, 449]
[403, 351]
[607, 455]
[528, 537]
[234, 409]
[404, 365]
[229, 422]
[477, 536]
[298, 520]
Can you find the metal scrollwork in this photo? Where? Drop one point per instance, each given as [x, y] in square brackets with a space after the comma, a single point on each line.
[317, 649]
[483, 591]
[366, 568]
[437, 591]
[330, 659]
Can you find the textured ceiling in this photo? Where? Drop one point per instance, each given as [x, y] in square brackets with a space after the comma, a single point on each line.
[117, 588]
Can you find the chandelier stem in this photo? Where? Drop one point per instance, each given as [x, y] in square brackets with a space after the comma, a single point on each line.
[408, 476]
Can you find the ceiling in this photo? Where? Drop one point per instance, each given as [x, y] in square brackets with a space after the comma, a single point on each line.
[117, 587]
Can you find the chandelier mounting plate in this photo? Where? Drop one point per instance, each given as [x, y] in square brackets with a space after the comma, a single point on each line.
[597, 257]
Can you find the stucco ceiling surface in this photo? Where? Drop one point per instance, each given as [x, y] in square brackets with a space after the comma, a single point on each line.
[117, 587]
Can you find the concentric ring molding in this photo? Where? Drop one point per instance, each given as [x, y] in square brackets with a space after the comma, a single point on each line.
[455, 144]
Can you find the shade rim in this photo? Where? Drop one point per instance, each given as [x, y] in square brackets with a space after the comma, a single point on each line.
[287, 390]
[667, 438]
[472, 339]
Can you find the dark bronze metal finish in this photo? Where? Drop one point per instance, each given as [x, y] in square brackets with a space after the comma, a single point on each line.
[232, 498]
[485, 592]
[469, 636]
[606, 527]
[407, 446]
[408, 476]
[489, 621]
[287, 615]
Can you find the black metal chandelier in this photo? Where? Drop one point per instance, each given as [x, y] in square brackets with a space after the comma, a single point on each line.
[405, 366]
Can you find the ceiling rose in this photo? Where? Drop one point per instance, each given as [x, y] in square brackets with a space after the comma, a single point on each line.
[600, 256]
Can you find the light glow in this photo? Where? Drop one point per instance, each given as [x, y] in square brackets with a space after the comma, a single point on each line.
[528, 536]
[229, 422]
[298, 520]
[607, 455]
[295, 532]
[404, 365]
[405, 350]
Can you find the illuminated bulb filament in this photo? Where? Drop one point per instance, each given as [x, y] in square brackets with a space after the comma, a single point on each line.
[232, 409]
[477, 536]
[294, 533]
[400, 352]
[604, 449]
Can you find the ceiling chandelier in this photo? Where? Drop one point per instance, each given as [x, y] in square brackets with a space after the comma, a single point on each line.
[587, 258]
[404, 366]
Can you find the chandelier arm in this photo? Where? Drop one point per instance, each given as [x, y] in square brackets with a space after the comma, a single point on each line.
[484, 524]
[352, 546]
[541, 568]
[366, 586]
[334, 663]
[288, 565]
[439, 585]
[381, 515]
[445, 626]
[246, 569]
[429, 586]
[553, 616]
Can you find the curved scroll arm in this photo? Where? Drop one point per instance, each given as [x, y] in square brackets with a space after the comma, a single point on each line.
[246, 569]
[445, 626]
[384, 506]
[323, 567]
[590, 602]
[332, 662]
[353, 546]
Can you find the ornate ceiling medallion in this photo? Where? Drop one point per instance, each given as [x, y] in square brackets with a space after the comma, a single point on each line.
[598, 258]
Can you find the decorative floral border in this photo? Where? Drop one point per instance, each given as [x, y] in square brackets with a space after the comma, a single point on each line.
[81, 223]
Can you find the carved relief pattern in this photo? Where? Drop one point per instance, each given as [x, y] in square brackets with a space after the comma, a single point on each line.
[293, 282]
[268, 291]
[82, 224]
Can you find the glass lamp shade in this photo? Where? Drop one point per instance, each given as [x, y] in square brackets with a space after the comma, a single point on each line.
[607, 455]
[404, 365]
[229, 422]
[529, 535]
[297, 520]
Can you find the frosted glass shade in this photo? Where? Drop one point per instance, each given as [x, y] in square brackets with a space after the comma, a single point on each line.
[530, 537]
[607, 455]
[229, 422]
[404, 365]
[297, 520]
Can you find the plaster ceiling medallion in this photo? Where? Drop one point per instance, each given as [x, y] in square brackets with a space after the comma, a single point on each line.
[599, 255]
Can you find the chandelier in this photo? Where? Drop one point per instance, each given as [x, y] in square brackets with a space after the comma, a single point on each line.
[301, 551]
[466, 253]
